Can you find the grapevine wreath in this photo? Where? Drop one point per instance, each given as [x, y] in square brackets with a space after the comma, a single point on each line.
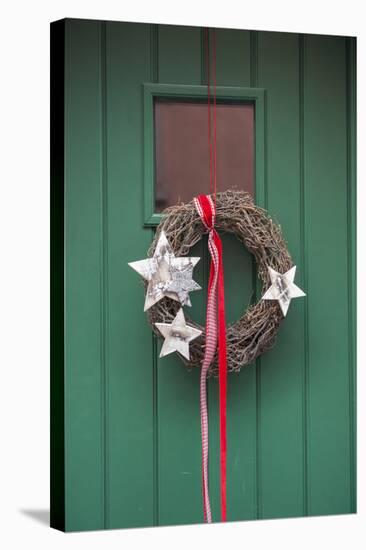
[236, 213]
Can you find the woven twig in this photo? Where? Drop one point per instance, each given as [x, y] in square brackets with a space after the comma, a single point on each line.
[255, 332]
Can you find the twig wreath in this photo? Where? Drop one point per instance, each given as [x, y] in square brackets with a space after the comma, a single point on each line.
[255, 332]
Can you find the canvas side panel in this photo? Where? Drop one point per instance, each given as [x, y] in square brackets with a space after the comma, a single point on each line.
[57, 470]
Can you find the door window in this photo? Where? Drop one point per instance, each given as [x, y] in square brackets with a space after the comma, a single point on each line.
[181, 149]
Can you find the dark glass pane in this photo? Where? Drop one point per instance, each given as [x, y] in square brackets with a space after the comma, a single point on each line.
[181, 150]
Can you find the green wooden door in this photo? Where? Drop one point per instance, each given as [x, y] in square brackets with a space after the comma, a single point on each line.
[125, 425]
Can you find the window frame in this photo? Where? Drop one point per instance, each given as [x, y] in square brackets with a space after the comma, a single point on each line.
[151, 91]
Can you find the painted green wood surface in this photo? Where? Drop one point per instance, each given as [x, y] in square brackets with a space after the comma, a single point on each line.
[84, 465]
[282, 411]
[130, 387]
[326, 175]
[125, 426]
[179, 474]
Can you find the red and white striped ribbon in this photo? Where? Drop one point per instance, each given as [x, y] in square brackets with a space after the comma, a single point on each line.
[215, 332]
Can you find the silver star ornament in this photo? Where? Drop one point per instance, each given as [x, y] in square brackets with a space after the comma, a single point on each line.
[177, 335]
[182, 283]
[163, 269]
[283, 288]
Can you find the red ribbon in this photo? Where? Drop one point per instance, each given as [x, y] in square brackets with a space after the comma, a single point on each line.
[215, 335]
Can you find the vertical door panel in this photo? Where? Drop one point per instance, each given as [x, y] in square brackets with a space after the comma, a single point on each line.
[328, 250]
[233, 69]
[84, 466]
[130, 343]
[281, 375]
[179, 454]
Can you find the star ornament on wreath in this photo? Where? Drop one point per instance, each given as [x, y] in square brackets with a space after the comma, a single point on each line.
[167, 275]
[283, 288]
[177, 335]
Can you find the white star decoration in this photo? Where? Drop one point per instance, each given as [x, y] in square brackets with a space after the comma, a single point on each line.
[161, 272]
[283, 288]
[177, 335]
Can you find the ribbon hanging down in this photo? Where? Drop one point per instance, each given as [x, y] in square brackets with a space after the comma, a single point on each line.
[215, 336]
